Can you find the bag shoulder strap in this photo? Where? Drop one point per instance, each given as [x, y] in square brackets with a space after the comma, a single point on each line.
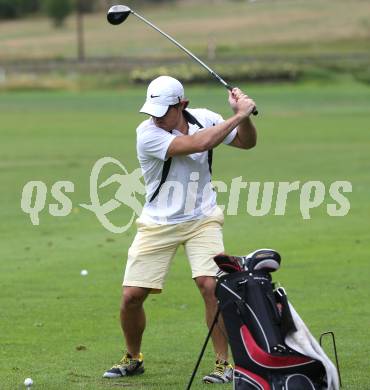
[194, 121]
[166, 169]
[167, 164]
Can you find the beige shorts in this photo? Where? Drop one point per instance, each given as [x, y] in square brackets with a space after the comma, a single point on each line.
[154, 247]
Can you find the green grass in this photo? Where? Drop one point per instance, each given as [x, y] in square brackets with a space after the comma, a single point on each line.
[235, 27]
[306, 132]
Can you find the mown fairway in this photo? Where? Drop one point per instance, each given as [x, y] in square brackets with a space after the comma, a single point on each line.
[62, 329]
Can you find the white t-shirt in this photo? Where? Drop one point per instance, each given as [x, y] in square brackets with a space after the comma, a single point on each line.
[187, 193]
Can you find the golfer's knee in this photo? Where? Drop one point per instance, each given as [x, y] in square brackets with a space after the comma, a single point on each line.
[133, 298]
[206, 285]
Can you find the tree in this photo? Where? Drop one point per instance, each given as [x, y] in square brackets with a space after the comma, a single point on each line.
[80, 30]
[58, 10]
[8, 9]
[11, 9]
[27, 6]
[86, 6]
[82, 7]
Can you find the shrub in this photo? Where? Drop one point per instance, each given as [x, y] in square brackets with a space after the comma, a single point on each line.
[362, 75]
[253, 71]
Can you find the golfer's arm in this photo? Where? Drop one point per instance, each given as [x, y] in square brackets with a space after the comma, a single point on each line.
[203, 140]
[246, 137]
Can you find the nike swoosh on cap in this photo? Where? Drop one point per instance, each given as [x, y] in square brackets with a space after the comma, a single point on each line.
[154, 96]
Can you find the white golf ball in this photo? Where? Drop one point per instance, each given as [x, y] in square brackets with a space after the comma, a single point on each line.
[84, 272]
[28, 382]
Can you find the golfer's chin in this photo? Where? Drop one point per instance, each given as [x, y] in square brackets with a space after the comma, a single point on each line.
[163, 125]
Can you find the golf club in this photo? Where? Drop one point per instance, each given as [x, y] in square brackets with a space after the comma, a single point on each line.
[117, 14]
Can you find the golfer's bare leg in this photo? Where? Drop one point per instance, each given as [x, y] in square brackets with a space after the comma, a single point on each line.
[133, 318]
[207, 285]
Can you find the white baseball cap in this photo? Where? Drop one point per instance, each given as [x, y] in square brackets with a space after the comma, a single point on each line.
[164, 91]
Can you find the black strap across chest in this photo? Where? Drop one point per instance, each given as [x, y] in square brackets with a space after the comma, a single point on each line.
[167, 164]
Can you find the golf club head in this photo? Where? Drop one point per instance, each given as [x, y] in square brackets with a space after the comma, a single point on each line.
[118, 14]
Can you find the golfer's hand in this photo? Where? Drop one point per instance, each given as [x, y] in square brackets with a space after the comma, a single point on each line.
[241, 103]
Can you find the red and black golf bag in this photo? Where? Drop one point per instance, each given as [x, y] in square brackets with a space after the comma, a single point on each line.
[257, 318]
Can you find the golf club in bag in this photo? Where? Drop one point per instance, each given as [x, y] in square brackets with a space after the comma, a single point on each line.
[271, 346]
[117, 14]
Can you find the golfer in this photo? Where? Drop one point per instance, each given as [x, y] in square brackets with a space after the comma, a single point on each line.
[174, 148]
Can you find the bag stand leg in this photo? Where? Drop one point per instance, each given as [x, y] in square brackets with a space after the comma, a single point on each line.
[335, 351]
[203, 349]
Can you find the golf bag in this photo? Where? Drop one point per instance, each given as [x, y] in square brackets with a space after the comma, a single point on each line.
[258, 318]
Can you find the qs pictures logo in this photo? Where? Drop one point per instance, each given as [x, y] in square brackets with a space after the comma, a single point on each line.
[253, 198]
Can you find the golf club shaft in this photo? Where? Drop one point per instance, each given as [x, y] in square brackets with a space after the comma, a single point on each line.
[194, 57]
[204, 348]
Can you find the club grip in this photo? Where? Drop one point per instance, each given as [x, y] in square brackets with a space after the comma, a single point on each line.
[230, 88]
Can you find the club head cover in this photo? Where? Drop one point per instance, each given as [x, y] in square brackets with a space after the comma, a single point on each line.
[228, 264]
[263, 259]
